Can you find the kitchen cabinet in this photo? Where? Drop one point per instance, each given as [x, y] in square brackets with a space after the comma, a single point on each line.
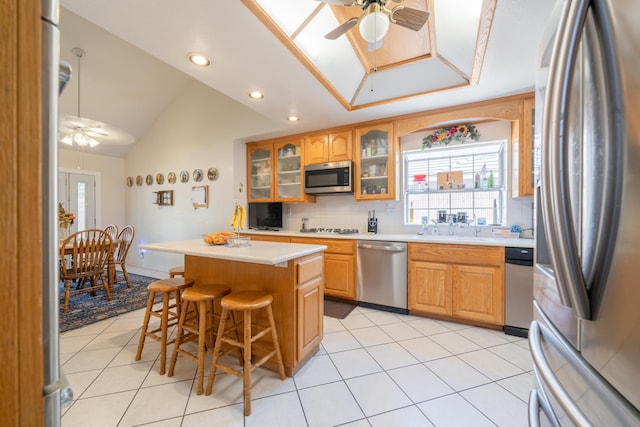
[275, 172]
[339, 266]
[522, 151]
[310, 301]
[459, 282]
[333, 147]
[375, 165]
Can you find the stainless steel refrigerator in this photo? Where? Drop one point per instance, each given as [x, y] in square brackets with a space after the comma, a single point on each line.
[54, 77]
[585, 337]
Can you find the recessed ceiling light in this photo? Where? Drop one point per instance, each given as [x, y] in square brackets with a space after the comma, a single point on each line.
[256, 95]
[199, 59]
[293, 118]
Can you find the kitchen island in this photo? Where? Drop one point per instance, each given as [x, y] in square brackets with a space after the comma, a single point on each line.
[292, 273]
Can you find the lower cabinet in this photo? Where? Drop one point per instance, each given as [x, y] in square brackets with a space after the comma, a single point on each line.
[339, 266]
[457, 281]
[310, 316]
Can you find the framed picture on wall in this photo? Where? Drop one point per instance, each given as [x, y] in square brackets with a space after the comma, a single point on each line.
[129, 181]
[149, 179]
[184, 176]
[197, 175]
[171, 178]
[139, 181]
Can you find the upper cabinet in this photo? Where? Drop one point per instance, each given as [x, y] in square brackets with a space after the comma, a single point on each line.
[333, 147]
[275, 172]
[374, 157]
[523, 171]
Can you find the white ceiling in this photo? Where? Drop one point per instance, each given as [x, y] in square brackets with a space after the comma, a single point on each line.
[135, 64]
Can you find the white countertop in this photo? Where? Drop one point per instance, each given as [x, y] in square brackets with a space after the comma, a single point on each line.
[413, 238]
[271, 253]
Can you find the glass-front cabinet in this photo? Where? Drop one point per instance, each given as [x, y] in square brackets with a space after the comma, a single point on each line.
[259, 162]
[289, 171]
[374, 156]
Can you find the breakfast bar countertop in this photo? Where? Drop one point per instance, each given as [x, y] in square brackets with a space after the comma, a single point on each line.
[271, 253]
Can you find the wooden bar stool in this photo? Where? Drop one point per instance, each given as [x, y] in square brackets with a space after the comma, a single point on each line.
[176, 271]
[246, 302]
[199, 325]
[168, 314]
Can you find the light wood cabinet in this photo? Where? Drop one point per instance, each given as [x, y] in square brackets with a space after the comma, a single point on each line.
[310, 302]
[333, 147]
[375, 165]
[339, 266]
[457, 281]
[522, 151]
[275, 172]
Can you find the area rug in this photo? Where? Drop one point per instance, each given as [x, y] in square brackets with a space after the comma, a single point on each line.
[85, 309]
[337, 309]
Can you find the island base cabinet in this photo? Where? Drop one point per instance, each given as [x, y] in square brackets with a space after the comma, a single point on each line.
[310, 318]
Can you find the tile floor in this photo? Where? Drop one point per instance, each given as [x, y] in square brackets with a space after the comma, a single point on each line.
[374, 369]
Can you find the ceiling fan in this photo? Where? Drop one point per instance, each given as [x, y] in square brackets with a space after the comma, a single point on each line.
[375, 19]
[83, 131]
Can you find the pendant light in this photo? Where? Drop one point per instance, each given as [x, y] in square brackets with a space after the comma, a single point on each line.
[79, 135]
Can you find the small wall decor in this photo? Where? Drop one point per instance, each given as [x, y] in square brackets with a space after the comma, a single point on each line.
[199, 196]
[197, 175]
[184, 176]
[171, 178]
[149, 179]
[159, 179]
[139, 181]
[163, 198]
[212, 174]
[129, 181]
[448, 134]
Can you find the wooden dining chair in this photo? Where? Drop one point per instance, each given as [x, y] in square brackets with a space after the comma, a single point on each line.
[83, 257]
[112, 230]
[121, 248]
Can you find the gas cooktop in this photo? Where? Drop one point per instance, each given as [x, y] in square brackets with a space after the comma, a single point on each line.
[331, 230]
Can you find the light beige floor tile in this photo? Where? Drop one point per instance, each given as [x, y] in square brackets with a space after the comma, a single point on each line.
[125, 324]
[81, 380]
[419, 383]
[90, 360]
[150, 352]
[74, 343]
[110, 339]
[484, 337]
[227, 390]
[339, 341]
[182, 372]
[409, 416]
[490, 364]
[392, 355]
[377, 393]
[453, 411]
[103, 411]
[318, 370]
[332, 325]
[118, 379]
[228, 416]
[515, 354]
[455, 343]
[91, 329]
[424, 349]
[519, 385]
[400, 331]
[355, 321]
[172, 422]
[145, 407]
[282, 410]
[265, 382]
[456, 373]
[428, 327]
[354, 363]
[371, 336]
[329, 405]
[502, 407]
[360, 423]
[384, 317]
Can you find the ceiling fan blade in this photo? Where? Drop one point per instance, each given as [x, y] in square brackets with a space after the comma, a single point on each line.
[410, 18]
[341, 29]
[339, 2]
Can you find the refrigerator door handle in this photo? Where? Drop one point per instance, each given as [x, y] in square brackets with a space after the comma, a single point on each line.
[563, 250]
[543, 370]
[534, 409]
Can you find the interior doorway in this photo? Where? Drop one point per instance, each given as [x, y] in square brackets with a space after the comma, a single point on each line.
[77, 193]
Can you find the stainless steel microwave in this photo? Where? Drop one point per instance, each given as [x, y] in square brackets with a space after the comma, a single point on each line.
[329, 178]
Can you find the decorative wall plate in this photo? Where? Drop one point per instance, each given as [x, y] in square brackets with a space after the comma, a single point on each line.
[171, 178]
[184, 176]
[212, 174]
[149, 179]
[129, 181]
[197, 175]
[138, 180]
[159, 179]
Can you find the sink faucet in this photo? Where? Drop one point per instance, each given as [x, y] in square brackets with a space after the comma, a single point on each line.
[452, 225]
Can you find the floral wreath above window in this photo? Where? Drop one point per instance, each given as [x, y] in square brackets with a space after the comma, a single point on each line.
[451, 133]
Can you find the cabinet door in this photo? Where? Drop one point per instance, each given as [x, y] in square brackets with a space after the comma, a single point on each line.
[430, 287]
[259, 173]
[523, 158]
[339, 273]
[310, 317]
[374, 155]
[288, 172]
[478, 293]
[316, 149]
[340, 146]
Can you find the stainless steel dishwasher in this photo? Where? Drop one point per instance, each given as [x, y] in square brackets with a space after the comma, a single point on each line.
[382, 275]
[518, 291]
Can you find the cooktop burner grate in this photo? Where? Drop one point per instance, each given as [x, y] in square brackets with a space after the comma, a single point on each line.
[331, 230]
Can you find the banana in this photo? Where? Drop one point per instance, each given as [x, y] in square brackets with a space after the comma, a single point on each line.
[234, 219]
[243, 216]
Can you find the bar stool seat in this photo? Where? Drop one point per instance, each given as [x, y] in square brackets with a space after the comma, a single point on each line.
[168, 313]
[176, 271]
[245, 302]
[197, 326]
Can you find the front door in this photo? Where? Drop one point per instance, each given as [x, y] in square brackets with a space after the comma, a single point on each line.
[77, 193]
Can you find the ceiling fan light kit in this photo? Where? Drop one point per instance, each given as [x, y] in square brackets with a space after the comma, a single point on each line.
[374, 25]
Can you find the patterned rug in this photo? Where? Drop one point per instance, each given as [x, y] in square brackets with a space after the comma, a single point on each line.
[85, 309]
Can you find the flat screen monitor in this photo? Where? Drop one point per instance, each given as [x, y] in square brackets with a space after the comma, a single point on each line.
[265, 216]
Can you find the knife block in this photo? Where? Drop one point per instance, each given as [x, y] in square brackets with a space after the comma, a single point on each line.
[372, 226]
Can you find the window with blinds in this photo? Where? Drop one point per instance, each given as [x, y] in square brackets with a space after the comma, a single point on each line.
[455, 182]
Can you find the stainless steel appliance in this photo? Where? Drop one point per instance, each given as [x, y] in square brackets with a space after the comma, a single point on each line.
[329, 178]
[381, 278]
[518, 310]
[585, 337]
[54, 77]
